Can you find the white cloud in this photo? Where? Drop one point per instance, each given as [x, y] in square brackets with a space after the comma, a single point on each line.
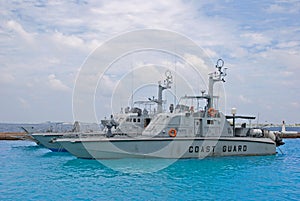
[6, 77]
[16, 27]
[275, 8]
[288, 44]
[295, 105]
[256, 38]
[56, 84]
[284, 7]
[286, 73]
[49, 41]
[245, 99]
[195, 60]
[24, 103]
[70, 40]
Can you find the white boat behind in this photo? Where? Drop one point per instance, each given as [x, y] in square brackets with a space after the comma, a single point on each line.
[46, 138]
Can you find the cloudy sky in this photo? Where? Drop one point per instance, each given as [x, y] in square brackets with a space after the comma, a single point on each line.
[44, 43]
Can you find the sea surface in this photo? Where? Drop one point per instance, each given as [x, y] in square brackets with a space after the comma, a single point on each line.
[31, 172]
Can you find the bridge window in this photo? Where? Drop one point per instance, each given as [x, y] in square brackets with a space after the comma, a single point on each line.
[209, 121]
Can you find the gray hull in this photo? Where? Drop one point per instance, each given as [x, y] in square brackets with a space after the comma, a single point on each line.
[46, 138]
[114, 148]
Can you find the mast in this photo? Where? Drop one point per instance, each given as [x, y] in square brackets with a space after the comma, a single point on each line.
[166, 85]
[214, 77]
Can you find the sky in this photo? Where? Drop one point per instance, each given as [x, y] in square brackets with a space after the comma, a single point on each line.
[43, 45]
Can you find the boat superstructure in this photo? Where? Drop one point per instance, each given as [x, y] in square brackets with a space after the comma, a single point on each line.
[130, 122]
[193, 129]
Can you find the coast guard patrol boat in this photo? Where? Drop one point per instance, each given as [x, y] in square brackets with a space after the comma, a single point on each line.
[190, 130]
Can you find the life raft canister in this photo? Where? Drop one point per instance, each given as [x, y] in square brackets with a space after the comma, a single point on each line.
[212, 112]
[172, 132]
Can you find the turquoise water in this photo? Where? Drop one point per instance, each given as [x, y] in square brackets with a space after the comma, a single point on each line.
[30, 172]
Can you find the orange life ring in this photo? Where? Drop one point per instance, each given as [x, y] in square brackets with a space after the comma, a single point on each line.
[212, 112]
[172, 132]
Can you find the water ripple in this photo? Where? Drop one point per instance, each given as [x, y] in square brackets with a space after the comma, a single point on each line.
[29, 172]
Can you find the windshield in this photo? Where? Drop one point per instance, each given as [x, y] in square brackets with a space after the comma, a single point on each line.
[192, 104]
[158, 123]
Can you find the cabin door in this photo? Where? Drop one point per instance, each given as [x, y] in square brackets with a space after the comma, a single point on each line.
[198, 127]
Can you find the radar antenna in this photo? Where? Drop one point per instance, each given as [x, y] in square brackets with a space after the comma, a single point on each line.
[169, 80]
[221, 73]
[167, 85]
[217, 76]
